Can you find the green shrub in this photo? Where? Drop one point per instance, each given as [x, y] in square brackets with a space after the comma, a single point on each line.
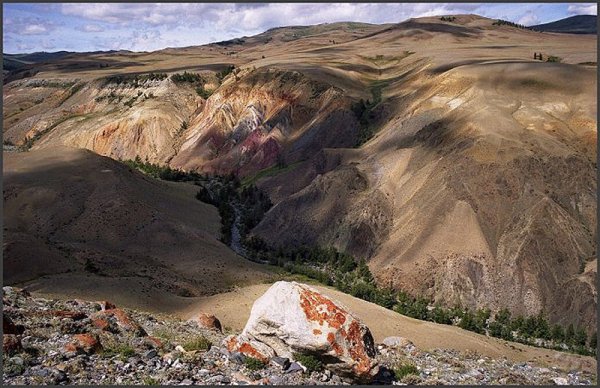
[553, 58]
[311, 363]
[148, 380]
[123, 351]
[253, 363]
[405, 369]
[198, 343]
[203, 92]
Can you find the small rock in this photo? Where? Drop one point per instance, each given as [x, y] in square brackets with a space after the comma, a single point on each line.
[9, 327]
[11, 344]
[84, 343]
[282, 362]
[17, 360]
[560, 381]
[295, 367]
[106, 305]
[150, 354]
[186, 382]
[208, 321]
[397, 342]
[275, 380]
[180, 348]
[237, 357]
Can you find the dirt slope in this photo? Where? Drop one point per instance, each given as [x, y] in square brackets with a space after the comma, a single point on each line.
[76, 222]
[480, 186]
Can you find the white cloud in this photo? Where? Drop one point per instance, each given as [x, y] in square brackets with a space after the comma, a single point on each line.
[92, 28]
[34, 29]
[529, 19]
[583, 9]
[252, 17]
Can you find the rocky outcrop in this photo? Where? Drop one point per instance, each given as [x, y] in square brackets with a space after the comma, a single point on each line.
[294, 318]
[266, 115]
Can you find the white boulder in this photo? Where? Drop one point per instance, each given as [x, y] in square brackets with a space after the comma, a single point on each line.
[292, 317]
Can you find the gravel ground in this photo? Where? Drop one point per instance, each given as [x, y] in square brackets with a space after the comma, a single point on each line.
[79, 342]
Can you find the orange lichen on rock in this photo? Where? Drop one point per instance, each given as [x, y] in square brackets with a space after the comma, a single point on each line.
[334, 345]
[231, 343]
[357, 348]
[123, 320]
[101, 323]
[208, 321]
[234, 345]
[310, 302]
[317, 332]
[74, 315]
[249, 350]
[349, 338]
[83, 343]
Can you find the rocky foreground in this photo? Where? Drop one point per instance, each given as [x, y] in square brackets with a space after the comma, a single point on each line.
[81, 342]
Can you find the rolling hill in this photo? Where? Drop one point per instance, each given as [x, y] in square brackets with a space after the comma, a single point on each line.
[579, 24]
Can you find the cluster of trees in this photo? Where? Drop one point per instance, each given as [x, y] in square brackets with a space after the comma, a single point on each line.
[162, 172]
[134, 80]
[448, 18]
[186, 77]
[363, 110]
[225, 72]
[49, 84]
[501, 22]
[226, 193]
[204, 93]
[193, 78]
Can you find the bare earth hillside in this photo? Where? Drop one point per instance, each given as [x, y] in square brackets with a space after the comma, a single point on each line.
[76, 222]
[466, 175]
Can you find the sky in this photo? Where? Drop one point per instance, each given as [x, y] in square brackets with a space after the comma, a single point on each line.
[49, 27]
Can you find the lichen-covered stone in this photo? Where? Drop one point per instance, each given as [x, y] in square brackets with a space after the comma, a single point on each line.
[208, 321]
[292, 317]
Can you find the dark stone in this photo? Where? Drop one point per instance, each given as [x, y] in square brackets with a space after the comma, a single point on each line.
[294, 367]
[237, 357]
[282, 362]
[150, 354]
